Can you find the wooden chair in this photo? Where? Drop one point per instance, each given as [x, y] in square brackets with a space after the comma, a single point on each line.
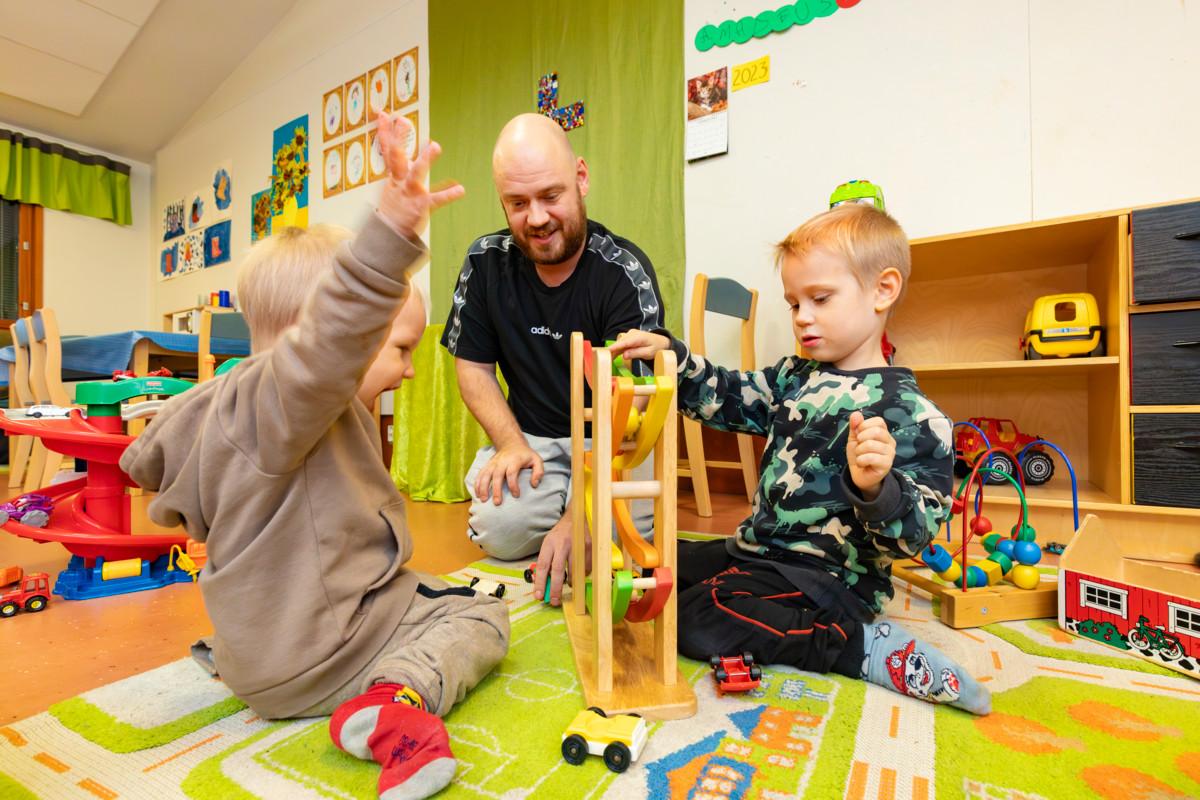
[37, 337]
[20, 395]
[224, 325]
[727, 297]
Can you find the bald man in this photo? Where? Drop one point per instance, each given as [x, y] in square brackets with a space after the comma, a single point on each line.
[521, 293]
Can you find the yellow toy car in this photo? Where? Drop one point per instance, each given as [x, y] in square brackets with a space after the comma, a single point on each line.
[619, 739]
[1063, 325]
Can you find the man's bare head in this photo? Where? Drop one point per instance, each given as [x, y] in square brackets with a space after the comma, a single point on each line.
[541, 183]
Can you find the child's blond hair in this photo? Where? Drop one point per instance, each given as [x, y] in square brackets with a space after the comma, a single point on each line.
[279, 273]
[868, 239]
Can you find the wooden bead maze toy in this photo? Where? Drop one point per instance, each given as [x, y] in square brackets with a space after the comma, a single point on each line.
[625, 664]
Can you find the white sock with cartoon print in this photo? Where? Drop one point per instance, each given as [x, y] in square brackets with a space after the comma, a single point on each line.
[899, 661]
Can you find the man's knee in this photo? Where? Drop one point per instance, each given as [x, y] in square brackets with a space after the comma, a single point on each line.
[515, 528]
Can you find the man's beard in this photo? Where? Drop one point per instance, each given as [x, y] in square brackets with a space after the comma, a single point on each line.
[574, 231]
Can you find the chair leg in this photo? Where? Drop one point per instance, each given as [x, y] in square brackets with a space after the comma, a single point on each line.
[694, 439]
[35, 467]
[54, 462]
[749, 468]
[19, 448]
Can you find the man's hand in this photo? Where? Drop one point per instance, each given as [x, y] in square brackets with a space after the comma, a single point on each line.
[641, 345]
[405, 203]
[553, 560]
[505, 466]
[870, 452]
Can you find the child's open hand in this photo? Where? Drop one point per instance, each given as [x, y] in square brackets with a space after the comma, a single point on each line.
[641, 345]
[870, 451]
[406, 203]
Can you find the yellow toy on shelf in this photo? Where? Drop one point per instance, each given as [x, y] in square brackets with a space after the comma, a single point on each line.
[624, 666]
[1063, 325]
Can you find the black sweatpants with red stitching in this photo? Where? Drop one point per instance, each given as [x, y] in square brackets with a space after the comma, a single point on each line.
[728, 606]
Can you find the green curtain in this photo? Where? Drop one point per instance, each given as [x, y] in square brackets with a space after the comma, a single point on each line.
[434, 436]
[55, 176]
[622, 58]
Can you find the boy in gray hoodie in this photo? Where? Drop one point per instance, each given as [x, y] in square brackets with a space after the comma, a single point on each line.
[277, 467]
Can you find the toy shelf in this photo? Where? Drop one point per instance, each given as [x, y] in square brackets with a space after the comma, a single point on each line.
[983, 369]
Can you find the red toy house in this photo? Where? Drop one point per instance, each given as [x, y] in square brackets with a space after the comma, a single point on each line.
[1137, 591]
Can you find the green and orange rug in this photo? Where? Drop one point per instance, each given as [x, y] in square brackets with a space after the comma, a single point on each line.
[1071, 719]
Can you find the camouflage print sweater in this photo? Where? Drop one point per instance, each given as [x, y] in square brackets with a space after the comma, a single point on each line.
[806, 510]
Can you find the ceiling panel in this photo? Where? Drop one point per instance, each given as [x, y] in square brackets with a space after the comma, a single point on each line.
[135, 11]
[43, 79]
[71, 30]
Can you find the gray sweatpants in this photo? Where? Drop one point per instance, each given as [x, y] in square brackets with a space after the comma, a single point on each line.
[515, 528]
[448, 640]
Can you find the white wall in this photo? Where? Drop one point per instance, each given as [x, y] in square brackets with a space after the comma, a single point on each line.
[93, 270]
[316, 46]
[969, 113]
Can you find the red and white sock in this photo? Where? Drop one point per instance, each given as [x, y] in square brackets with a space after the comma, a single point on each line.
[388, 724]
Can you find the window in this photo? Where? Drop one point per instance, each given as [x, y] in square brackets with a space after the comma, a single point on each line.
[20, 260]
[1184, 619]
[1104, 598]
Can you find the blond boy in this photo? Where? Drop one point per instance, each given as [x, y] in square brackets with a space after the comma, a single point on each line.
[856, 472]
[276, 466]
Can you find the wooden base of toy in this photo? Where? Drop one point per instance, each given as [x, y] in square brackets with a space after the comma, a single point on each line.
[636, 688]
[984, 605]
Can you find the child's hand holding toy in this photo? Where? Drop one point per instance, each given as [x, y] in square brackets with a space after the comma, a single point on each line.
[870, 451]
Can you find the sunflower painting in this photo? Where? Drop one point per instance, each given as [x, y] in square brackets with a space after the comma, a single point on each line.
[289, 174]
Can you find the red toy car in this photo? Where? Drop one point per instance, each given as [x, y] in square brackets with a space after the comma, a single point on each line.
[32, 593]
[968, 444]
[735, 673]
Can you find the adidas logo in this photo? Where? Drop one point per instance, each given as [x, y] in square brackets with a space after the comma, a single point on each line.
[542, 330]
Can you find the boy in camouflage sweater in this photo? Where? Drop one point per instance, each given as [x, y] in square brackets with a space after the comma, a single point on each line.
[856, 473]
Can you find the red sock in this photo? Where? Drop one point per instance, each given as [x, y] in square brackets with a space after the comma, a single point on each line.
[410, 744]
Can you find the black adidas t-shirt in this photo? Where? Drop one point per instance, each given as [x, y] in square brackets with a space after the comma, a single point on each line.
[504, 314]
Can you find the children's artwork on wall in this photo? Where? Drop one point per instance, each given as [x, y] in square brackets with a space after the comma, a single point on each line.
[404, 78]
[376, 169]
[217, 243]
[766, 22]
[332, 171]
[570, 116]
[379, 90]
[222, 190]
[414, 136]
[196, 208]
[355, 103]
[168, 262]
[173, 220]
[708, 115]
[331, 113]
[260, 215]
[191, 252]
[289, 174]
[356, 162]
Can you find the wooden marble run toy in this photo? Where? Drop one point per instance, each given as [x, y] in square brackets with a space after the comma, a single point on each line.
[624, 666]
[90, 516]
[1134, 588]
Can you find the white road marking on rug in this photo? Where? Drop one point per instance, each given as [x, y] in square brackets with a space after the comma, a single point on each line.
[898, 761]
[267, 756]
[243, 769]
[167, 693]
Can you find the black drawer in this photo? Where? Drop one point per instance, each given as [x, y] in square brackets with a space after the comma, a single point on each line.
[1166, 459]
[1166, 253]
[1165, 348]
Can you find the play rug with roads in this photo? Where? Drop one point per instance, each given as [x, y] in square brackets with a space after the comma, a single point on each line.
[1071, 719]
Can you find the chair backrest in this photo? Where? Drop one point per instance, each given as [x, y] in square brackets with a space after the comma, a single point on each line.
[20, 392]
[45, 358]
[222, 325]
[727, 297]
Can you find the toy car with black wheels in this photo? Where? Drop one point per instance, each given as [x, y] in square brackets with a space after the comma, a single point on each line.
[32, 594]
[735, 673]
[47, 411]
[1036, 465]
[484, 586]
[1054, 548]
[620, 739]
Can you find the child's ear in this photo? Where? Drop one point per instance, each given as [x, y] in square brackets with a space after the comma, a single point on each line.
[887, 289]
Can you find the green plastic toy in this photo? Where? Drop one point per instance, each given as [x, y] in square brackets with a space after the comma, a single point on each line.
[858, 191]
[104, 398]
